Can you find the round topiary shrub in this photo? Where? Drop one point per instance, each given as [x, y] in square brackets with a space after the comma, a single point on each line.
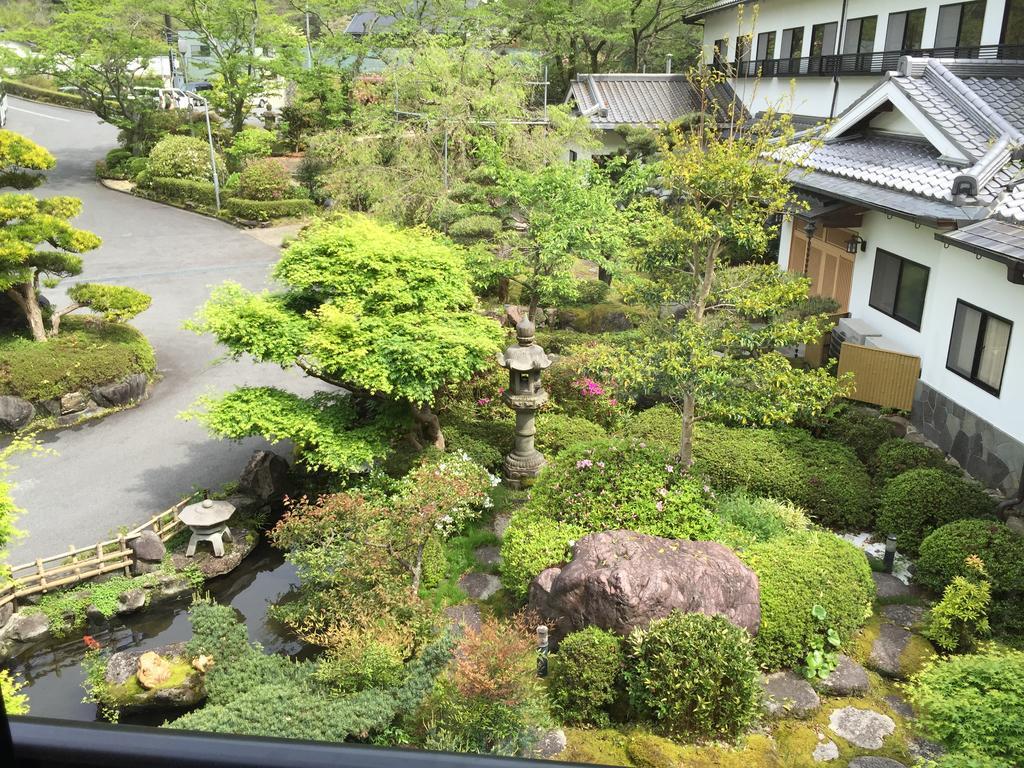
[797, 572]
[896, 456]
[264, 179]
[862, 429]
[533, 542]
[183, 157]
[944, 550]
[558, 431]
[694, 676]
[585, 675]
[606, 485]
[917, 502]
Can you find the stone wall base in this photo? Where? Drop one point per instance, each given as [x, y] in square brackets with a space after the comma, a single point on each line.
[988, 454]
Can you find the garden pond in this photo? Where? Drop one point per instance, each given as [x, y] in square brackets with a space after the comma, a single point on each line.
[53, 672]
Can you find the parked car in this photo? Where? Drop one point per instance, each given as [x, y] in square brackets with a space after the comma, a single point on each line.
[3, 105]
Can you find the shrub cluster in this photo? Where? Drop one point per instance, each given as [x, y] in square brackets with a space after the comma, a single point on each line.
[186, 191]
[480, 451]
[265, 210]
[896, 456]
[694, 676]
[250, 144]
[797, 572]
[585, 676]
[184, 157]
[533, 542]
[264, 179]
[917, 502]
[44, 95]
[558, 431]
[748, 519]
[974, 705]
[861, 429]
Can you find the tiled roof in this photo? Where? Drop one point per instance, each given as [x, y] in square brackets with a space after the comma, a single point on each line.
[990, 236]
[710, 7]
[613, 100]
[977, 106]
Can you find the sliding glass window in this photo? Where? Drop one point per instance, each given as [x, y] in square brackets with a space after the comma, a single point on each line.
[978, 346]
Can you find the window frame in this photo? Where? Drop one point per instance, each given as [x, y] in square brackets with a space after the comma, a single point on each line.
[771, 39]
[979, 347]
[796, 33]
[825, 28]
[847, 37]
[720, 51]
[903, 36]
[896, 288]
[961, 8]
[1014, 12]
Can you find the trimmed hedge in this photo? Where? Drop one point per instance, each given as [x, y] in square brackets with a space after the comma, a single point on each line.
[264, 179]
[896, 456]
[558, 431]
[533, 542]
[917, 502]
[44, 95]
[585, 676]
[183, 190]
[184, 157]
[796, 573]
[265, 210]
[860, 429]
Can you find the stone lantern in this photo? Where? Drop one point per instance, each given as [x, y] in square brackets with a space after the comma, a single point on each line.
[525, 395]
[208, 520]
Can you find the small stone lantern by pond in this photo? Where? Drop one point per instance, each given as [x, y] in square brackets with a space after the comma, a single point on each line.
[525, 395]
[208, 520]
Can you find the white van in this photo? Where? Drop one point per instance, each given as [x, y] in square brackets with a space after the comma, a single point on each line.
[3, 105]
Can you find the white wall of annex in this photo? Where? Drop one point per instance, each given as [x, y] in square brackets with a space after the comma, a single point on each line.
[955, 274]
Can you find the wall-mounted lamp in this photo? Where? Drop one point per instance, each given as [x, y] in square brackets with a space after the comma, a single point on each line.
[776, 219]
[856, 242]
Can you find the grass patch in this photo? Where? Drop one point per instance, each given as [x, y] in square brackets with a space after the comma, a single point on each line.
[85, 354]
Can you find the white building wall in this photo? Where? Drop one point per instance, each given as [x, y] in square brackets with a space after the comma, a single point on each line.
[955, 274]
[812, 95]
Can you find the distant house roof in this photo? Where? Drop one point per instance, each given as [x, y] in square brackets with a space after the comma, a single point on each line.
[711, 7]
[970, 116]
[368, 21]
[635, 99]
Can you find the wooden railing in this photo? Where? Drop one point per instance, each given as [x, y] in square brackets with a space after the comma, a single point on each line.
[881, 377]
[75, 565]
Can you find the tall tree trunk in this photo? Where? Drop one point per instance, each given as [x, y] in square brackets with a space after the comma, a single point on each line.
[430, 425]
[417, 568]
[24, 295]
[686, 434]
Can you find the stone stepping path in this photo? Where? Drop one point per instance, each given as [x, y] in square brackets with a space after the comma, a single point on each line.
[465, 616]
[479, 586]
[488, 555]
[848, 679]
[500, 524]
[906, 616]
[787, 694]
[875, 762]
[888, 587]
[863, 728]
[826, 751]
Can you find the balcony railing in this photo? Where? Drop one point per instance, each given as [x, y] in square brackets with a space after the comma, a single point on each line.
[876, 63]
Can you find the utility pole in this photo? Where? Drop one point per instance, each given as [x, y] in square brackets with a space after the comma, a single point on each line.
[309, 44]
[169, 36]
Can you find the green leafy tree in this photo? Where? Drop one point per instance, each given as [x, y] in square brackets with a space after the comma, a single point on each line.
[37, 239]
[715, 356]
[102, 49]
[385, 313]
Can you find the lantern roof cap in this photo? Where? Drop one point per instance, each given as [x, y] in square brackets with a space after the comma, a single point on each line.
[206, 512]
[523, 358]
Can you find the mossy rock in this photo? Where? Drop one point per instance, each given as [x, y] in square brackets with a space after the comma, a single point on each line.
[899, 655]
[121, 690]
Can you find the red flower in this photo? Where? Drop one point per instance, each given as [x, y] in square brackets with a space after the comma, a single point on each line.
[91, 643]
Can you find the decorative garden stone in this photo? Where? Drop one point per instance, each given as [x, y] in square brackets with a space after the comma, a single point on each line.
[148, 551]
[825, 752]
[525, 395]
[131, 601]
[479, 586]
[265, 476]
[118, 393]
[872, 761]
[15, 413]
[208, 520]
[786, 694]
[155, 678]
[26, 627]
[863, 728]
[848, 678]
[899, 653]
[620, 580]
[153, 670]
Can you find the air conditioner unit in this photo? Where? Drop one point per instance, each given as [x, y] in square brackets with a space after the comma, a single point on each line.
[853, 330]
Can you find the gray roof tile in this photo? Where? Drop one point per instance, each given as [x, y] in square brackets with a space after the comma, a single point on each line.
[633, 99]
[992, 236]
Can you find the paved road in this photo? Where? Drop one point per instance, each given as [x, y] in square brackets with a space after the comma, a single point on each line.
[122, 469]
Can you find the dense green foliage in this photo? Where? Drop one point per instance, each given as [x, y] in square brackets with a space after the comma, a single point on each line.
[917, 502]
[185, 191]
[896, 456]
[693, 675]
[15, 703]
[532, 542]
[860, 429]
[557, 431]
[974, 705]
[960, 619]
[184, 157]
[748, 519]
[254, 694]
[256, 210]
[250, 144]
[386, 313]
[796, 573]
[585, 676]
[264, 179]
[480, 451]
[84, 355]
[820, 476]
[115, 303]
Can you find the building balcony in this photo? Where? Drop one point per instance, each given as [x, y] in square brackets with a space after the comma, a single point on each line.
[877, 63]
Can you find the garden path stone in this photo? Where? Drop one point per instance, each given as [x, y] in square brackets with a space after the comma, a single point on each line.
[925, 749]
[900, 705]
[847, 679]
[501, 524]
[465, 616]
[479, 586]
[786, 694]
[551, 744]
[826, 751]
[863, 728]
[897, 652]
[904, 615]
[888, 587]
[488, 555]
[15, 413]
[875, 762]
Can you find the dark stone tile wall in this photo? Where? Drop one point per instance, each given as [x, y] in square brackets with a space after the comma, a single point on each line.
[988, 454]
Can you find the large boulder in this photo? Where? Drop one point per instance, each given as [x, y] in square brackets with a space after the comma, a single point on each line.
[160, 678]
[148, 552]
[265, 476]
[122, 392]
[15, 413]
[621, 580]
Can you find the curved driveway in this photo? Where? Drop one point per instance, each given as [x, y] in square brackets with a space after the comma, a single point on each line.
[120, 470]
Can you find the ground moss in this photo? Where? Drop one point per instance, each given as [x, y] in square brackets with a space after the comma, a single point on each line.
[919, 651]
[127, 692]
[85, 354]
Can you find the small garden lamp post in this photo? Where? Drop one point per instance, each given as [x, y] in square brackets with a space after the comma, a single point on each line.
[208, 520]
[542, 651]
[525, 395]
[889, 559]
